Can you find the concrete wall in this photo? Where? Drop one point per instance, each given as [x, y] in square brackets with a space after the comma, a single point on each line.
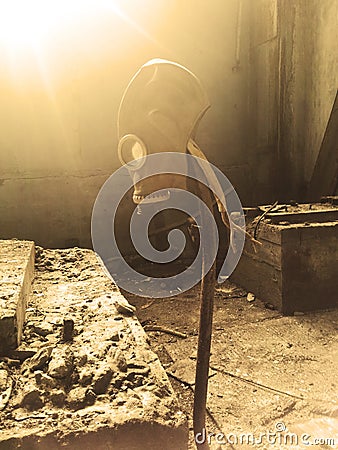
[58, 108]
[309, 82]
[293, 83]
[264, 99]
[269, 67]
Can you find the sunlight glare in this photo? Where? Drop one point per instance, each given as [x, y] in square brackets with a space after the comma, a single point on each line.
[28, 24]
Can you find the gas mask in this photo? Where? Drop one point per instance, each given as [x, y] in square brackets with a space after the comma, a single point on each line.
[159, 112]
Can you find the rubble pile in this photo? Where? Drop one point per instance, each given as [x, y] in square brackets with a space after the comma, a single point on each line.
[84, 362]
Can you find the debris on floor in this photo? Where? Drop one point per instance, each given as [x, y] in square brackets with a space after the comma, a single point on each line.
[265, 369]
[84, 368]
[87, 376]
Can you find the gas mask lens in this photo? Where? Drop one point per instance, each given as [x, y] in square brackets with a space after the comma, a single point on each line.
[131, 151]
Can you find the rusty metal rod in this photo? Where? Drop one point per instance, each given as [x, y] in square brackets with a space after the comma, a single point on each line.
[204, 335]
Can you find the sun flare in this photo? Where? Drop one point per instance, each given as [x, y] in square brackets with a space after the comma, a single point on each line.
[30, 24]
[27, 24]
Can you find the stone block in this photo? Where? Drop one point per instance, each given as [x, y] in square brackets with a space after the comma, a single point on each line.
[16, 275]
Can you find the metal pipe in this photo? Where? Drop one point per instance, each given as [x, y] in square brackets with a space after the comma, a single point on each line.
[204, 335]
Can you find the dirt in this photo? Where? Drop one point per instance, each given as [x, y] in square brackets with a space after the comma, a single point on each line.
[266, 369]
[84, 366]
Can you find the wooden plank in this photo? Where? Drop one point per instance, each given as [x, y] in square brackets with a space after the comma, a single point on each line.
[262, 279]
[268, 232]
[325, 173]
[300, 274]
[323, 215]
[332, 199]
[268, 252]
[310, 268]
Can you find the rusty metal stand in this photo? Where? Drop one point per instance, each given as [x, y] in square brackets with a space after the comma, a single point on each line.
[205, 333]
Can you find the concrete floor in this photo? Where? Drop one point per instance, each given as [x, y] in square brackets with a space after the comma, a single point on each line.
[273, 378]
[269, 373]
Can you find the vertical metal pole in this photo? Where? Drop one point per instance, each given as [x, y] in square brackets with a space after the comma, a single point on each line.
[204, 336]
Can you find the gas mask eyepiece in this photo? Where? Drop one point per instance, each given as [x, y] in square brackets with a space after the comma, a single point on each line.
[132, 151]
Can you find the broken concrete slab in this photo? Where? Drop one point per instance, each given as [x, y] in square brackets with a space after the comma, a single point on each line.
[16, 275]
[104, 388]
[6, 384]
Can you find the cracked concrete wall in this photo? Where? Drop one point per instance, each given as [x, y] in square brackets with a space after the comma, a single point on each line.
[263, 98]
[58, 112]
[293, 83]
[311, 87]
[269, 67]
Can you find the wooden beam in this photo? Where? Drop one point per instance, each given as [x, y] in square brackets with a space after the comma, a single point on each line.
[325, 173]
